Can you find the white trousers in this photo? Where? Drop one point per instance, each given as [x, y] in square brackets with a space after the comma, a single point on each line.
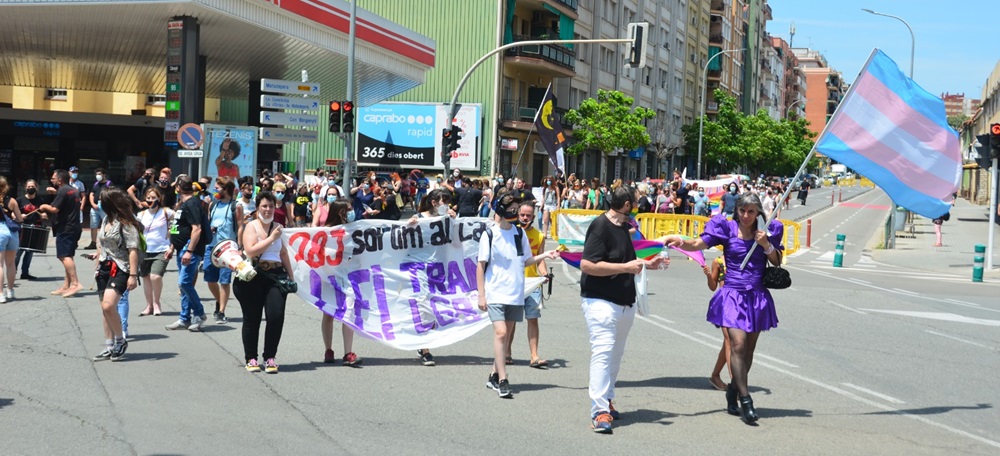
[609, 325]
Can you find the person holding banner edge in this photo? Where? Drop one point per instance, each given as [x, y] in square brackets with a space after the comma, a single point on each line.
[743, 306]
[503, 255]
[607, 290]
[339, 213]
[436, 204]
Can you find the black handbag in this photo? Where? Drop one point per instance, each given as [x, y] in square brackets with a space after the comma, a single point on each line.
[776, 278]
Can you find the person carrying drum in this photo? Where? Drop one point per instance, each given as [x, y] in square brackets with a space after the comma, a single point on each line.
[28, 204]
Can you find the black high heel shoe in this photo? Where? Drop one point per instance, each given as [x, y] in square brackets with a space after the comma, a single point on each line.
[731, 406]
[749, 413]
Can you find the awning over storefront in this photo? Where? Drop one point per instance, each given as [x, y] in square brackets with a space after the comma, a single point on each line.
[121, 46]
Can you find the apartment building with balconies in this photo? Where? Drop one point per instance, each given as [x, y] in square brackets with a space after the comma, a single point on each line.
[825, 87]
[727, 31]
[793, 99]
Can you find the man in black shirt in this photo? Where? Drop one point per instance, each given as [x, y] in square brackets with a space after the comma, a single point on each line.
[683, 193]
[28, 203]
[607, 286]
[468, 198]
[188, 239]
[138, 190]
[67, 229]
[94, 199]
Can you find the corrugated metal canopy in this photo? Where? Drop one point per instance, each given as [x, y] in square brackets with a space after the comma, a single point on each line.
[118, 46]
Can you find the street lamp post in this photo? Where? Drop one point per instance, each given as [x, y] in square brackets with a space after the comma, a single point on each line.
[704, 89]
[789, 109]
[913, 38]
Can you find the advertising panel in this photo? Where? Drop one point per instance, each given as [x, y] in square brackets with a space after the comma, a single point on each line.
[230, 151]
[408, 135]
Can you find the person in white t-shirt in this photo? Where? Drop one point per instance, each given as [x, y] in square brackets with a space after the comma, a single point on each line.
[504, 252]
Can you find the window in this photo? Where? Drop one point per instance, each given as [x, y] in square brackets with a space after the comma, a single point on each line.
[664, 79]
[607, 62]
[611, 11]
[645, 75]
[156, 100]
[56, 94]
[582, 49]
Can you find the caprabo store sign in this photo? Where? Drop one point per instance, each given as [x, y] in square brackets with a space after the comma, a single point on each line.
[408, 135]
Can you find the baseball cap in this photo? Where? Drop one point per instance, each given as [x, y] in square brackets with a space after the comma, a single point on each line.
[73, 168]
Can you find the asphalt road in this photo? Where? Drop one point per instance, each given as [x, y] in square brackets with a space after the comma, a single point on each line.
[867, 359]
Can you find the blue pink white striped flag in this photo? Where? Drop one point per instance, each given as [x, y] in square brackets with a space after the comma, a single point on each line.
[895, 133]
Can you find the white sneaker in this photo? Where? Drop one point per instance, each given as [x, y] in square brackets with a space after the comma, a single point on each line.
[196, 324]
[3, 299]
[9, 293]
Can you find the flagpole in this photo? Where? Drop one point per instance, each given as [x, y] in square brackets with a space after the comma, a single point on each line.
[531, 130]
[812, 151]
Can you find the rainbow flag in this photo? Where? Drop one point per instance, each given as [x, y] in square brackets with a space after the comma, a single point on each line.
[643, 249]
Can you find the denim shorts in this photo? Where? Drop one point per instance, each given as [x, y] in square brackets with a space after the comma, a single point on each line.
[533, 304]
[96, 217]
[505, 312]
[215, 274]
[9, 241]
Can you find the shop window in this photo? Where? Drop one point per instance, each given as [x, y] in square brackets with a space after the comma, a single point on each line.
[56, 94]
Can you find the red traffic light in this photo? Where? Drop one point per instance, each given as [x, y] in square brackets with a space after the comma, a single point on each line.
[995, 129]
[348, 106]
[335, 106]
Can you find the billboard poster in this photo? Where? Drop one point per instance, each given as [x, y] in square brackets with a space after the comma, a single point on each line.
[230, 150]
[408, 135]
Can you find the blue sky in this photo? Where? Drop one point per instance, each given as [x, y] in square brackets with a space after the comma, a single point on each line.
[953, 44]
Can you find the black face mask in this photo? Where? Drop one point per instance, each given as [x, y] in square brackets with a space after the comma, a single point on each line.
[29, 191]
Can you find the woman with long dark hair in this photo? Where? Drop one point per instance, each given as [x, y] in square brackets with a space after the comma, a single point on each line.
[339, 213]
[742, 306]
[117, 267]
[9, 242]
[262, 243]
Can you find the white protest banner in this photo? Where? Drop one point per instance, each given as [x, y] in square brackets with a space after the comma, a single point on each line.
[407, 286]
[571, 229]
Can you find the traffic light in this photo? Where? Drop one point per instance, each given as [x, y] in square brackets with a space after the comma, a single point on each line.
[449, 142]
[348, 109]
[983, 148]
[335, 107]
[994, 141]
[637, 54]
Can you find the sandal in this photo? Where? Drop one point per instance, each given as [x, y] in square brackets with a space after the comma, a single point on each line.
[508, 361]
[539, 363]
[721, 386]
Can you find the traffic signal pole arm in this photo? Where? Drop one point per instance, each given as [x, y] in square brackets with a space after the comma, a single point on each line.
[453, 107]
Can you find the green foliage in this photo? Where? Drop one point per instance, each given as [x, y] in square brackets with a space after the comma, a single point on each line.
[608, 123]
[957, 121]
[757, 143]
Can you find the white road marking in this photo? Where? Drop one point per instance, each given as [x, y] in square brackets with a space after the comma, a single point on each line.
[873, 393]
[876, 287]
[851, 309]
[862, 282]
[946, 336]
[839, 391]
[943, 316]
[662, 319]
[761, 355]
[955, 301]
[905, 291]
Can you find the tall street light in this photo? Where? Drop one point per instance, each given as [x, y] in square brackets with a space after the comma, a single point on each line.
[913, 39]
[789, 108]
[704, 88]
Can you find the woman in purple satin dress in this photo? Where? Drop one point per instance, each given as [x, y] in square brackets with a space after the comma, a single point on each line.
[742, 305]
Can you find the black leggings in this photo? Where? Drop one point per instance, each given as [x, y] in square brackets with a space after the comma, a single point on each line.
[257, 296]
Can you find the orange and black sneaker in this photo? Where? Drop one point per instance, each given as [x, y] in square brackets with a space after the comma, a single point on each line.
[614, 413]
[602, 423]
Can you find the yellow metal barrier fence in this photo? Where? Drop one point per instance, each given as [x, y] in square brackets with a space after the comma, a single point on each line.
[653, 225]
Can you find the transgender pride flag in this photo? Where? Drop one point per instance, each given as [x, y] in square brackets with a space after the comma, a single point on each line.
[895, 133]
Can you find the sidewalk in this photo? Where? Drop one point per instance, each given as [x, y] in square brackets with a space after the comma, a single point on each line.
[969, 225]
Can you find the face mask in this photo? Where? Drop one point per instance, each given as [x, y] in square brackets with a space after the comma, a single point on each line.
[332, 198]
[100, 177]
[351, 216]
[442, 209]
[364, 187]
[439, 180]
[217, 195]
[74, 175]
[701, 193]
[527, 225]
[29, 191]
[456, 173]
[247, 195]
[732, 189]
[279, 195]
[164, 182]
[500, 181]
[548, 182]
[152, 203]
[331, 183]
[266, 220]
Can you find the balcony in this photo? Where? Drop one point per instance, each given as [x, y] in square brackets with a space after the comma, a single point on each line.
[714, 75]
[548, 59]
[567, 7]
[716, 39]
[718, 7]
[519, 115]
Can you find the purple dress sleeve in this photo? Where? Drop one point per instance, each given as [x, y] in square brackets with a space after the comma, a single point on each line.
[717, 231]
[777, 236]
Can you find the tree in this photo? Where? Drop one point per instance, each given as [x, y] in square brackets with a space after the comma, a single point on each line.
[956, 121]
[608, 123]
[756, 144]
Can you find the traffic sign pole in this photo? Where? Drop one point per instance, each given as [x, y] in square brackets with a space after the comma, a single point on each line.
[349, 138]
